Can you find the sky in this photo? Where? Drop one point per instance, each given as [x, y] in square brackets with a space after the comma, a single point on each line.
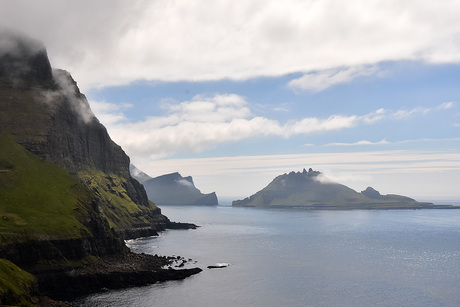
[235, 93]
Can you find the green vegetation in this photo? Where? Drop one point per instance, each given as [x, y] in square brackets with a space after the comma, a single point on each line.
[308, 190]
[19, 111]
[115, 205]
[38, 198]
[15, 285]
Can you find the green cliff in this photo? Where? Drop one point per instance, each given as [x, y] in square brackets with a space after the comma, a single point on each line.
[44, 111]
[16, 285]
[67, 199]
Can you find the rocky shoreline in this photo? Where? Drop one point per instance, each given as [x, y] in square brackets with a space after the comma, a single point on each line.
[112, 272]
[141, 232]
[119, 270]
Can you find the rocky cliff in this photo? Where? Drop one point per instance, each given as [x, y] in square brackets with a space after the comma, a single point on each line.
[45, 112]
[67, 197]
[173, 189]
[311, 190]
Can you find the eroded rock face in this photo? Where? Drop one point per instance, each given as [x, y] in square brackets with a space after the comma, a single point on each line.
[34, 250]
[49, 116]
[45, 112]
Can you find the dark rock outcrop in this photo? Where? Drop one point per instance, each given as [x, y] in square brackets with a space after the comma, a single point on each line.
[371, 193]
[113, 272]
[173, 189]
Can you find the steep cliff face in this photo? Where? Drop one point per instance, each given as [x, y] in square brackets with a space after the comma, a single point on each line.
[48, 115]
[67, 199]
[47, 215]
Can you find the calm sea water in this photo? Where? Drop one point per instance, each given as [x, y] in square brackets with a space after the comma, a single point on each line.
[304, 258]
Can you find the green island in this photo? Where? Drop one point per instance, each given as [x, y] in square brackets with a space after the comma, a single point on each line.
[311, 190]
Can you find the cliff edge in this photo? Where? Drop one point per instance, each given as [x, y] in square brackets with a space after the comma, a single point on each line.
[67, 197]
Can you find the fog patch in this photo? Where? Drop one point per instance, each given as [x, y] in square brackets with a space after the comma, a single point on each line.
[185, 183]
[17, 45]
[321, 178]
[68, 88]
[21, 56]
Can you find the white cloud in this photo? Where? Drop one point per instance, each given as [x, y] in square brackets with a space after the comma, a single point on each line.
[116, 42]
[219, 108]
[446, 105]
[68, 89]
[385, 142]
[203, 122]
[374, 116]
[110, 113]
[401, 114]
[363, 142]
[207, 121]
[321, 80]
[185, 183]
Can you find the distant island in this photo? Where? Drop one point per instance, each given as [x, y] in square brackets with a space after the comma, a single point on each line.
[311, 190]
[173, 189]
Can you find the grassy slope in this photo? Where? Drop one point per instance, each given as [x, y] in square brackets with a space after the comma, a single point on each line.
[37, 197]
[40, 199]
[115, 204]
[15, 284]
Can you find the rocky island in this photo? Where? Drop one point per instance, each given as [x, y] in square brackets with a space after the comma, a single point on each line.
[67, 199]
[311, 190]
[173, 189]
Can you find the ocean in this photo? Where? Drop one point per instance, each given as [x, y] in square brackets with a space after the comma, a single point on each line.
[289, 257]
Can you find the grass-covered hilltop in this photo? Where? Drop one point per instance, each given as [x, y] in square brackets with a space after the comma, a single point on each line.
[311, 190]
[67, 199]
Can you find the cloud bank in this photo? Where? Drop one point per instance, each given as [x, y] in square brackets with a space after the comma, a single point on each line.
[211, 40]
[319, 80]
[203, 122]
[207, 121]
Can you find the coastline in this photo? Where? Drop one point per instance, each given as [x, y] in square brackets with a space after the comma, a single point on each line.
[111, 272]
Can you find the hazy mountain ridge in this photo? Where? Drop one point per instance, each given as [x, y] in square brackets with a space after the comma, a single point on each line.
[138, 174]
[313, 191]
[173, 189]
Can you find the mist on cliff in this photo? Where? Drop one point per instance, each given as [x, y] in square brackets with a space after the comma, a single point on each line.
[18, 51]
[18, 45]
[21, 56]
[69, 89]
